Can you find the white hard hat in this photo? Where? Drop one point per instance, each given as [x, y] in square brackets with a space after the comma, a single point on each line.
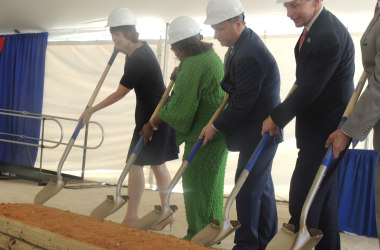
[181, 28]
[283, 1]
[222, 10]
[120, 17]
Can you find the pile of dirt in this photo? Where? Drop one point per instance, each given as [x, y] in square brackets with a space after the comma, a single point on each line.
[104, 234]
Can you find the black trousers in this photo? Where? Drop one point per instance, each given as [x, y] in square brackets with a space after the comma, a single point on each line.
[323, 212]
[255, 202]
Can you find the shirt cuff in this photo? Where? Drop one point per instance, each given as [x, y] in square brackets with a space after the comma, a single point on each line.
[345, 133]
[214, 127]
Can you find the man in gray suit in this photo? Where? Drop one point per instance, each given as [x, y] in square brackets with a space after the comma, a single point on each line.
[366, 114]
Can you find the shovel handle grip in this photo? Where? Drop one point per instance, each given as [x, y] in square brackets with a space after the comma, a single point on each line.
[77, 130]
[194, 150]
[113, 56]
[257, 151]
[329, 153]
[328, 157]
[350, 106]
[138, 146]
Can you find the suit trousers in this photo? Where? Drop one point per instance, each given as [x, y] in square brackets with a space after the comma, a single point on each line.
[255, 202]
[323, 213]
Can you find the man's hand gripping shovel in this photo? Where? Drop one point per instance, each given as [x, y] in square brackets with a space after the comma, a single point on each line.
[306, 239]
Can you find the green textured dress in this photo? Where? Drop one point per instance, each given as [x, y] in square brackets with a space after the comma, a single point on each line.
[195, 97]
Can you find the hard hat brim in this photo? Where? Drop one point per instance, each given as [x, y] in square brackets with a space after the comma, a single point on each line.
[212, 21]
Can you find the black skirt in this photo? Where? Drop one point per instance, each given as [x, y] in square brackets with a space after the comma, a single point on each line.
[160, 149]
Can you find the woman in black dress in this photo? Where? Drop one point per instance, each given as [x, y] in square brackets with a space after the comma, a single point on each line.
[143, 74]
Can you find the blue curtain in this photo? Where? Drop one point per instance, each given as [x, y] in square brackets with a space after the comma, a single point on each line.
[22, 69]
[356, 195]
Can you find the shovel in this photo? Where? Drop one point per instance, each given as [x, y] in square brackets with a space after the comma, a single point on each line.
[54, 186]
[111, 205]
[158, 215]
[305, 239]
[213, 232]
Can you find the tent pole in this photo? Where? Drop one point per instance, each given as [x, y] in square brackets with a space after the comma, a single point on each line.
[165, 52]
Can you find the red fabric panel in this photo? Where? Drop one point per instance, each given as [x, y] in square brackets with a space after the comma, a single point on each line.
[2, 40]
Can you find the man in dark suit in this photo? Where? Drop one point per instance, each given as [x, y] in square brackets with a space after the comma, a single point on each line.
[253, 82]
[324, 79]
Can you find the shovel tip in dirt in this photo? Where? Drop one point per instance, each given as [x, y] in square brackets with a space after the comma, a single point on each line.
[214, 233]
[108, 207]
[286, 239]
[46, 193]
[155, 217]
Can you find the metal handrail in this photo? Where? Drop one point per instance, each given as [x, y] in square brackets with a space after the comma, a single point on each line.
[56, 143]
[41, 139]
[29, 115]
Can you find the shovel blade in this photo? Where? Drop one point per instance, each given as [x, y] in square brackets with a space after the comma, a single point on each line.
[51, 189]
[154, 217]
[286, 239]
[108, 207]
[213, 233]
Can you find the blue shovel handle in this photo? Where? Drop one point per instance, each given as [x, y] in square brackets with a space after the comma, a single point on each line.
[328, 157]
[78, 127]
[329, 153]
[77, 130]
[194, 150]
[138, 146]
[257, 151]
[113, 56]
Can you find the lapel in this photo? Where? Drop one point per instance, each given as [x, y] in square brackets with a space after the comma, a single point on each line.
[309, 37]
[227, 65]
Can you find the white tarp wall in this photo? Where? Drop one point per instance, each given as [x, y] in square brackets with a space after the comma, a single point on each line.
[74, 69]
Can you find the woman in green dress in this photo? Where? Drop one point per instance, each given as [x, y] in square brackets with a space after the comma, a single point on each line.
[195, 97]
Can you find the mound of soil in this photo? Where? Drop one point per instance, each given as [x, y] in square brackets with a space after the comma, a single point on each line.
[103, 234]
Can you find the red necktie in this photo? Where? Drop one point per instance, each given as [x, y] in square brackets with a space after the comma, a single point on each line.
[376, 7]
[302, 38]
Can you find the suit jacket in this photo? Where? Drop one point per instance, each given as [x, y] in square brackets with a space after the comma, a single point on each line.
[366, 114]
[324, 78]
[253, 81]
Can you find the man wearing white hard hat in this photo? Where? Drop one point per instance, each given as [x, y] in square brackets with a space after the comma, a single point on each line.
[253, 81]
[195, 97]
[324, 56]
[143, 74]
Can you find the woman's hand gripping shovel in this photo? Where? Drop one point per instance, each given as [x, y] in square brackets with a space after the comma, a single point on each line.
[54, 186]
[306, 239]
[158, 215]
[111, 205]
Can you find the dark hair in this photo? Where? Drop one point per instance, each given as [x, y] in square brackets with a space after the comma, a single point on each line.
[192, 46]
[129, 32]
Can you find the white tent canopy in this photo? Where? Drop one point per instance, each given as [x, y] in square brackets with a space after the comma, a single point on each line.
[86, 19]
